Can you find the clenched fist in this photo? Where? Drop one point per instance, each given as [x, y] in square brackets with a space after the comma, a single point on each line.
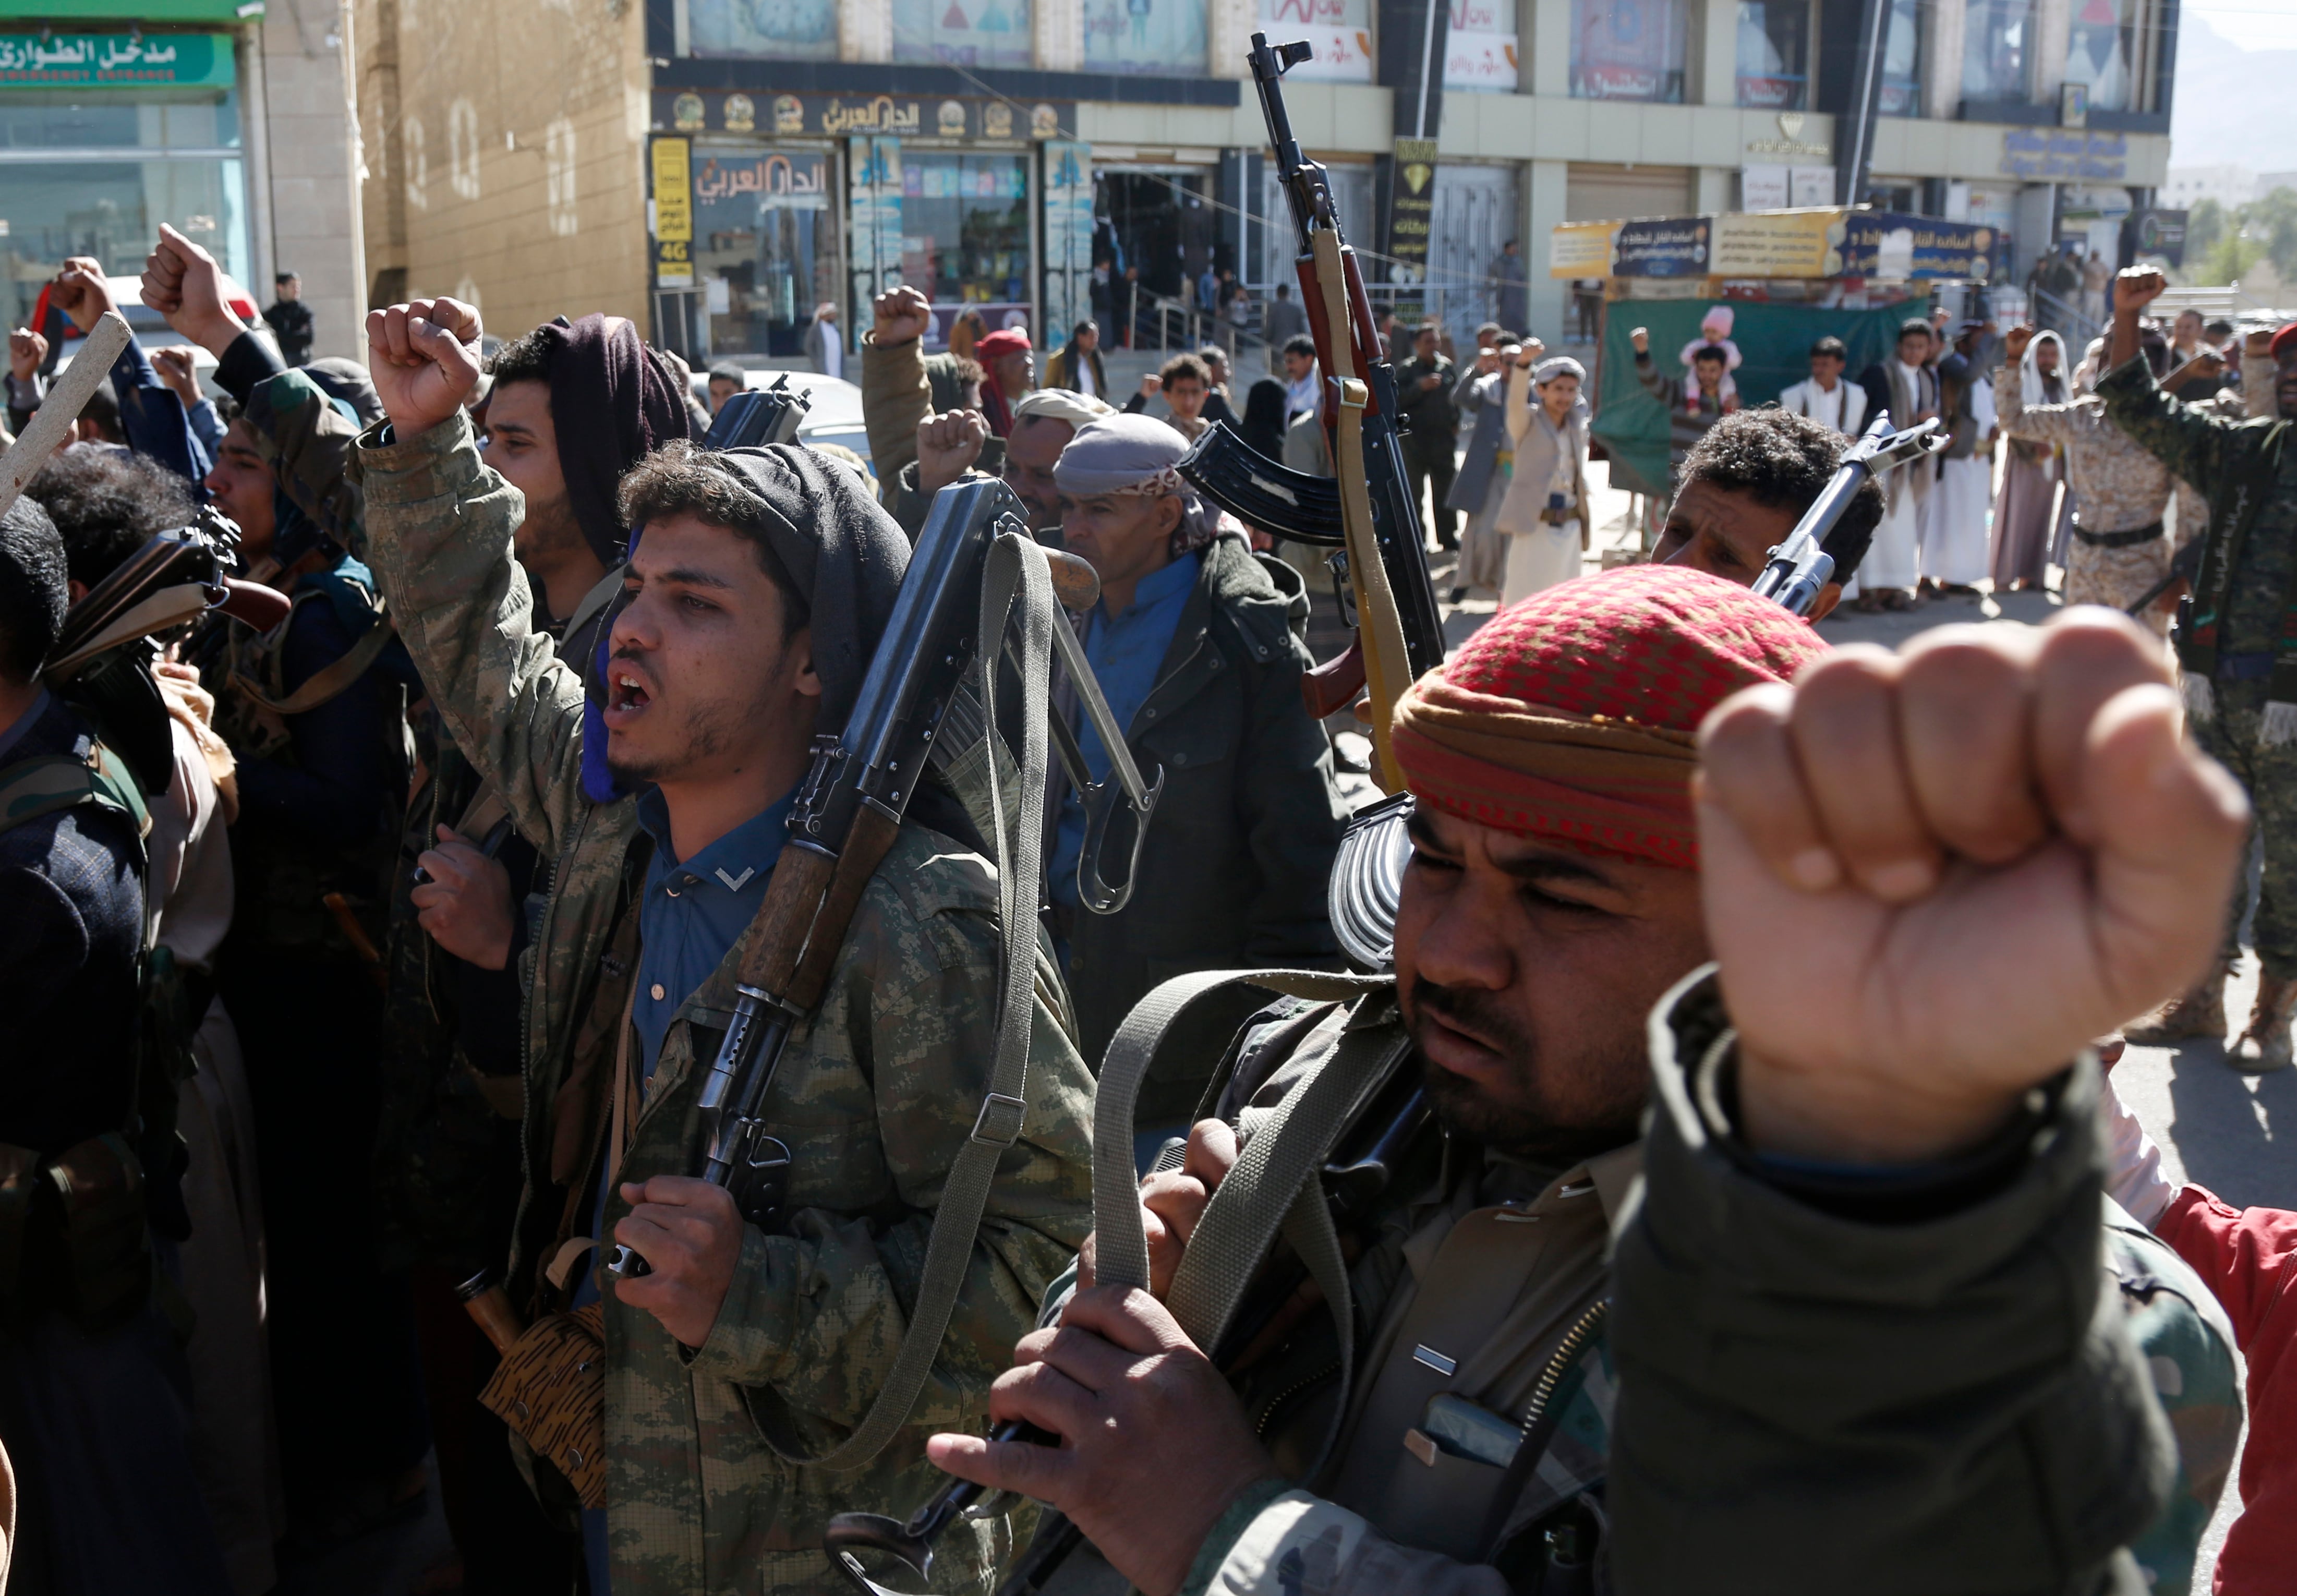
[27, 349]
[182, 282]
[1641, 338]
[900, 316]
[1930, 877]
[2014, 343]
[948, 445]
[424, 358]
[81, 291]
[2136, 287]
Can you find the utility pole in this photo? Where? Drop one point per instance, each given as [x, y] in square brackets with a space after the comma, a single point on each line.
[1855, 155]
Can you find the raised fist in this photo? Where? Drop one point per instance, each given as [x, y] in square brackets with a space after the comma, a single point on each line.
[2257, 344]
[27, 349]
[2136, 287]
[182, 283]
[1641, 338]
[2014, 343]
[1151, 385]
[176, 369]
[948, 445]
[81, 292]
[902, 315]
[1931, 877]
[424, 358]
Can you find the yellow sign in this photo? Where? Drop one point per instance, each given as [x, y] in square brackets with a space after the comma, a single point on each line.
[1581, 250]
[1777, 244]
[673, 213]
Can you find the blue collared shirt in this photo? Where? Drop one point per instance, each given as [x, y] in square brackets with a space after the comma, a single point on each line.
[694, 910]
[691, 915]
[1125, 652]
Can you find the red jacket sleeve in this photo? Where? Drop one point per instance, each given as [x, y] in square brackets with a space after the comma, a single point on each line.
[2246, 1254]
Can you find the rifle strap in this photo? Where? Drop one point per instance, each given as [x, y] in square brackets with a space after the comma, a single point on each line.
[1015, 567]
[1380, 626]
[1122, 1245]
[329, 681]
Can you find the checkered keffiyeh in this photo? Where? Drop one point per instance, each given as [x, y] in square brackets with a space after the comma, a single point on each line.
[1573, 716]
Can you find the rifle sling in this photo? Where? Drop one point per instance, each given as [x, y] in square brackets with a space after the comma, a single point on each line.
[1015, 567]
[329, 680]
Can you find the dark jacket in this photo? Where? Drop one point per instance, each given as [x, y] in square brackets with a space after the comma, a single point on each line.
[71, 927]
[1060, 371]
[290, 321]
[1240, 847]
[1434, 418]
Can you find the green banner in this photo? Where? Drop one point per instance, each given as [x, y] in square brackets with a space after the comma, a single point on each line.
[145, 12]
[1774, 341]
[116, 61]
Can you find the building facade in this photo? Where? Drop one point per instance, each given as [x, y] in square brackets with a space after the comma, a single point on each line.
[717, 169]
[233, 120]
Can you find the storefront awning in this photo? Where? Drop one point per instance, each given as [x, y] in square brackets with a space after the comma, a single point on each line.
[130, 11]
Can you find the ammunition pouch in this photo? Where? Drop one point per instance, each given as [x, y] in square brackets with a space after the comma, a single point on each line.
[550, 1389]
[105, 1278]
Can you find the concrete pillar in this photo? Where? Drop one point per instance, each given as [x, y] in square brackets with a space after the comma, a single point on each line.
[1228, 36]
[1057, 30]
[1714, 74]
[1941, 58]
[1547, 39]
[2052, 28]
[1546, 185]
[865, 30]
[313, 154]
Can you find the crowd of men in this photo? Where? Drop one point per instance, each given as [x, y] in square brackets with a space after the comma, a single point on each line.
[1719, 1188]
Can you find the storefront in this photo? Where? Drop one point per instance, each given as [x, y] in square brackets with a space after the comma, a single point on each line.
[776, 207]
[105, 136]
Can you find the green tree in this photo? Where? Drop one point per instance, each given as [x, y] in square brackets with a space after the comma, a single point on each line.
[2271, 224]
[2205, 224]
[2227, 260]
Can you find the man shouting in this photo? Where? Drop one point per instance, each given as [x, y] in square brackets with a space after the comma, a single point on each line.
[758, 584]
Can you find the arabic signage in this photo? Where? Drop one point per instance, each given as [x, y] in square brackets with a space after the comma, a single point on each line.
[116, 61]
[1897, 247]
[1410, 215]
[849, 115]
[793, 180]
[2064, 155]
[1668, 247]
[1782, 243]
[673, 214]
[1581, 250]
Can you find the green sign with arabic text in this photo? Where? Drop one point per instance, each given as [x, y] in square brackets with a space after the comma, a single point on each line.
[116, 61]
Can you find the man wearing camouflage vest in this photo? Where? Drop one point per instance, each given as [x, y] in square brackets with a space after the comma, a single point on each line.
[1842, 1342]
[758, 584]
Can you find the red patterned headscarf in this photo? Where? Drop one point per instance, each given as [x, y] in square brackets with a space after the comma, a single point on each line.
[1573, 716]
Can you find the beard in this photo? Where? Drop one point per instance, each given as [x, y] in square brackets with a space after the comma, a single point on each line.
[1550, 1123]
[549, 533]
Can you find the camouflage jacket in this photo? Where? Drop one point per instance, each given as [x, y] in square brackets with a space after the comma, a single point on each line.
[2220, 453]
[875, 1096]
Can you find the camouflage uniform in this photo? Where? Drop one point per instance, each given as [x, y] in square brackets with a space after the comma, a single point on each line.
[875, 1096]
[2202, 448]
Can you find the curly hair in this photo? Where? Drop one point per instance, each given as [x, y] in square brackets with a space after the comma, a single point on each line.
[1785, 461]
[678, 479]
[107, 505]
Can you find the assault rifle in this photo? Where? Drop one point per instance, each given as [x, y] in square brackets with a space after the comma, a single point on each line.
[847, 815]
[1360, 417]
[758, 416]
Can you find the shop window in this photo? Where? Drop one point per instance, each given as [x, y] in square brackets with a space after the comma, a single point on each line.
[1775, 54]
[965, 233]
[964, 33]
[1164, 37]
[1997, 50]
[777, 29]
[1901, 93]
[1627, 50]
[2099, 47]
[764, 255]
[124, 161]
